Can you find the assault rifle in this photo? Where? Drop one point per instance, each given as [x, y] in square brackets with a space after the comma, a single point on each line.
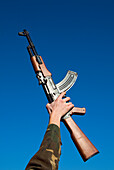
[52, 91]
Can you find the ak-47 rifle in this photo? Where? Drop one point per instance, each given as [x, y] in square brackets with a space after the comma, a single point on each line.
[52, 91]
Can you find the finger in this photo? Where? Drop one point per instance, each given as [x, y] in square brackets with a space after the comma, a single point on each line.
[70, 106]
[69, 103]
[50, 111]
[62, 95]
[47, 106]
[66, 99]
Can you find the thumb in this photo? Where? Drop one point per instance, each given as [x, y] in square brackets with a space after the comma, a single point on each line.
[49, 108]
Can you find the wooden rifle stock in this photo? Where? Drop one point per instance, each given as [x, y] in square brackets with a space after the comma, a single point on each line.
[83, 144]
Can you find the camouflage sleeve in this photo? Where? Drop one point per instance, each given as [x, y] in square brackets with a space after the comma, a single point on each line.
[47, 158]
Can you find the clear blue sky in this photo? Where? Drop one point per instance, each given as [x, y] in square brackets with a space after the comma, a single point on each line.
[69, 35]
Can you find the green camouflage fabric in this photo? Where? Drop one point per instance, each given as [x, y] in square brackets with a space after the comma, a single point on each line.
[48, 156]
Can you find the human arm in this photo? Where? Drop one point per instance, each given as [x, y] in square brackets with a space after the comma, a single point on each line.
[48, 156]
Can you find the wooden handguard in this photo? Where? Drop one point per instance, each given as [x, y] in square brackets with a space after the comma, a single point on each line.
[83, 144]
[40, 67]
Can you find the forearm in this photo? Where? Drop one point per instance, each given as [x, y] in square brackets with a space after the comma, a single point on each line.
[49, 153]
[47, 158]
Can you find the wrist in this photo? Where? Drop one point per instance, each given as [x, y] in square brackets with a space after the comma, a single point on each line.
[55, 119]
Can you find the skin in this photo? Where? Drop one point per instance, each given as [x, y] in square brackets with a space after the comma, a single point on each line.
[59, 108]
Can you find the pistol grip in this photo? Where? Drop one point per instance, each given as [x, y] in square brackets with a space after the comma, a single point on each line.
[75, 111]
[78, 111]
